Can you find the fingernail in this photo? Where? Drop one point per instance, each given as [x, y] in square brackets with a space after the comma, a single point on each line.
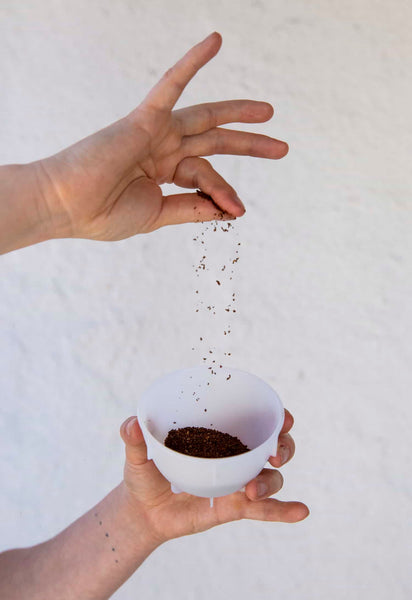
[129, 427]
[209, 36]
[261, 488]
[240, 203]
[284, 454]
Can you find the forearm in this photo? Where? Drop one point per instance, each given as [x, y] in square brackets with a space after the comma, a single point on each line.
[89, 560]
[24, 216]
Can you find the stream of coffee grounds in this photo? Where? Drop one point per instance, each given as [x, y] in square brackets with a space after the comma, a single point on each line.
[224, 277]
[204, 443]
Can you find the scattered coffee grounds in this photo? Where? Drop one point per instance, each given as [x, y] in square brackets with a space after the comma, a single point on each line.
[204, 443]
[202, 267]
[208, 197]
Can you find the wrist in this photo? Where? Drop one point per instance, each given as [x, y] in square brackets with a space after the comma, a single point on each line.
[56, 223]
[135, 519]
[91, 558]
[24, 217]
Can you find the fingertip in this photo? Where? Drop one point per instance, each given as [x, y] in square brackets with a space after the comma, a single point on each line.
[130, 430]
[276, 149]
[297, 512]
[229, 207]
[217, 39]
[240, 207]
[218, 36]
[304, 512]
[288, 422]
[270, 111]
[232, 205]
[124, 425]
[275, 461]
[236, 211]
[267, 483]
[135, 445]
[251, 490]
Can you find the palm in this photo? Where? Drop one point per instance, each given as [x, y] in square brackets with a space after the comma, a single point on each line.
[173, 515]
[183, 514]
[107, 185]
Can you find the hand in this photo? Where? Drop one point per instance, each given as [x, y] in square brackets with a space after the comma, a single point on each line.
[172, 515]
[106, 187]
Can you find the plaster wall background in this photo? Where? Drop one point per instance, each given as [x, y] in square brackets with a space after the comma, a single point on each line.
[324, 285]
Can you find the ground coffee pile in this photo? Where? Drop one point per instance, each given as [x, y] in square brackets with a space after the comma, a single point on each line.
[204, 443]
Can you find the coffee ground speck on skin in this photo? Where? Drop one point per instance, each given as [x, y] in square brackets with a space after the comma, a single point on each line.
[204, 443]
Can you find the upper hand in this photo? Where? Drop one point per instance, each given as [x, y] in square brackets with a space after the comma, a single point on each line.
[106, 186]
[172, 515]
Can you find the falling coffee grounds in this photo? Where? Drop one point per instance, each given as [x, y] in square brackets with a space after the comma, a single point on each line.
[204, 443]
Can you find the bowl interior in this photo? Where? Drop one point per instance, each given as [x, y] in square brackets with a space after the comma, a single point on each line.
[231, 401]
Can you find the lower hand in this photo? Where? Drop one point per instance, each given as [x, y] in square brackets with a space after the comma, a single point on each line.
[170, 515]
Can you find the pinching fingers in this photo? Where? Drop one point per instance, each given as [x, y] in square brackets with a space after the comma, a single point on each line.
[195, 172]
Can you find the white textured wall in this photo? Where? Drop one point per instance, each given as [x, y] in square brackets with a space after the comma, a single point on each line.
[324, 285]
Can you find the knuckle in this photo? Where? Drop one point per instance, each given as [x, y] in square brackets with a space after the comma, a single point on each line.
[217, 141]
[171, 77]
[210, 117]
[203, 165]
[169, 73]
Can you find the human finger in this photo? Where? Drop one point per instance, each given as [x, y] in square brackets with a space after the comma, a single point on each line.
[285, 450]
[239, 506]
[275, 510]
[188, 208]
[268, 482]
[201, 117]
[167, 91]
[141, 475]
[288, 422]
[230, 141]
[135, 446]
[194, 172]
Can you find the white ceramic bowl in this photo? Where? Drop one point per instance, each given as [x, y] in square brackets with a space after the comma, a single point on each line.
[231, 401]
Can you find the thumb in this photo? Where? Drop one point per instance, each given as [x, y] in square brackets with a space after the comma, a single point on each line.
[189, 208]
[216, 199]
[135, 446]
[141, 475]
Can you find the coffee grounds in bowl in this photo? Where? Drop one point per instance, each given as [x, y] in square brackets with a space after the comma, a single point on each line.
[204, 443]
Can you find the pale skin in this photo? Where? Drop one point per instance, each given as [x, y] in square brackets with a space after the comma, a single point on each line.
[107, 187]
[98, 552]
